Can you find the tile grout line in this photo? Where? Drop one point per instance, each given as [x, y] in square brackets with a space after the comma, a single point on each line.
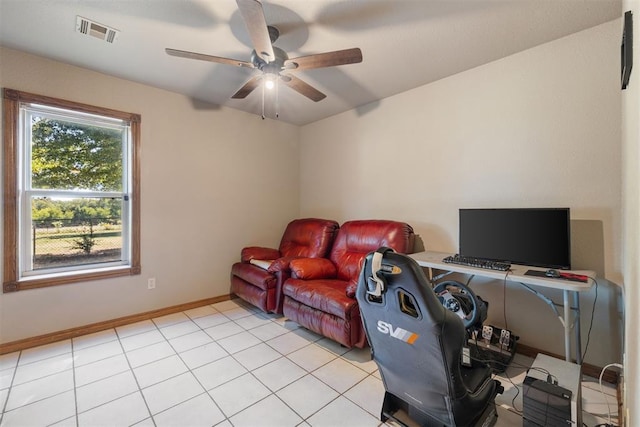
[12, 386]
[75, 386]
[189, 370]
[308, 373]
[311, 342]
[13, 377]
[135, 378]
[232, 355]
[102, 379]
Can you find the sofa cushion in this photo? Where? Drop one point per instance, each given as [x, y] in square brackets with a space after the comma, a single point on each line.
[346, 332]
[312, 268]
[327, 295]
[254, 275]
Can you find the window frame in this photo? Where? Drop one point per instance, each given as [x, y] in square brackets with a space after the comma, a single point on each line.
[11, 147]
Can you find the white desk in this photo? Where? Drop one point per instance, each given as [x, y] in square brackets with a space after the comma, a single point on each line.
[570, 290]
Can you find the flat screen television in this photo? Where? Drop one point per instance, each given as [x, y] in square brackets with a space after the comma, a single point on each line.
[529, 236]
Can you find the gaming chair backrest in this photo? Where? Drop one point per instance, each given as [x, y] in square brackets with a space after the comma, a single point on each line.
[415, 341]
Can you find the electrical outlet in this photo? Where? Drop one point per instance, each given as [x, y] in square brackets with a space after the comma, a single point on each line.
[151, 283]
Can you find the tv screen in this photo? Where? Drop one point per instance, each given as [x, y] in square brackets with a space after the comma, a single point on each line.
[534, 236]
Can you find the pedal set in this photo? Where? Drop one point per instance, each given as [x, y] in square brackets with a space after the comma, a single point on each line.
[493, 345]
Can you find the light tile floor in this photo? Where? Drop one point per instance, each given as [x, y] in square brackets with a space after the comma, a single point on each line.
[221, 365]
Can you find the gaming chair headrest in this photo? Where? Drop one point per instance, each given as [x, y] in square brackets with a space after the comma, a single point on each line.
[377, 283]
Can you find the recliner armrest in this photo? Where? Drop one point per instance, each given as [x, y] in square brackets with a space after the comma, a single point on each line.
[261, 263]
[351, 289]
[313, 268]
[281, 264]
[256, 252]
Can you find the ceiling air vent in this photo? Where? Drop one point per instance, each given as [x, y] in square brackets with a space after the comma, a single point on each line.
[99, 31]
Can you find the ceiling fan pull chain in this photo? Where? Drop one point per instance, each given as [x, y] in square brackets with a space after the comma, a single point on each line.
[277, 98]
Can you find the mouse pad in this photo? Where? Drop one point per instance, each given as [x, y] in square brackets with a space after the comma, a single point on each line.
[564, 276]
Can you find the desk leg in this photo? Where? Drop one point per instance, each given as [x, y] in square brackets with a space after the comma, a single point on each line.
[576, 305]
[566, 320]
[567, 326]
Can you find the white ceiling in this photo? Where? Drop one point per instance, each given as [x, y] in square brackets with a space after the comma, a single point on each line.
[404, 43]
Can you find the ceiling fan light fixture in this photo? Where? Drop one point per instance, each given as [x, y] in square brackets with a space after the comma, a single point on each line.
[269, 81]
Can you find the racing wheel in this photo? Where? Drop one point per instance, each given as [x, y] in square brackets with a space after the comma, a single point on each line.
[462, 301]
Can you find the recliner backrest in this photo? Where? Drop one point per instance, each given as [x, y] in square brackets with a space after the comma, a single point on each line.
[308, 238]
[356, 239]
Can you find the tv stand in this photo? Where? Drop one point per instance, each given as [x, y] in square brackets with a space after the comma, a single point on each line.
[517, 273]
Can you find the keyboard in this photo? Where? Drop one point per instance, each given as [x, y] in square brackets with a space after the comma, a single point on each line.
[477, 262]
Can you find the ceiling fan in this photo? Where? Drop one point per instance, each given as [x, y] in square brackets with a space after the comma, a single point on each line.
[273, 62]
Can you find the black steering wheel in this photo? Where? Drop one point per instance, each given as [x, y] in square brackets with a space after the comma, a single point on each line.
[459, 299]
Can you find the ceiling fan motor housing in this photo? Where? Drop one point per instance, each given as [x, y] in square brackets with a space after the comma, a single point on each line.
[273, 67]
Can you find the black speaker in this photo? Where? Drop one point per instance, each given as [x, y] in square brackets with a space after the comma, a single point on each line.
[545, 404]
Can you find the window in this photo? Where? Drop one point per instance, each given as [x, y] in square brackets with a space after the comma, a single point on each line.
[71, 192]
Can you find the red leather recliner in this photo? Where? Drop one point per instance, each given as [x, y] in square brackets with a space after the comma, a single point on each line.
[259, 275]
[320, 294]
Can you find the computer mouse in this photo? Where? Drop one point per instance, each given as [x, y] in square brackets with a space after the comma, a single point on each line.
[552, 273]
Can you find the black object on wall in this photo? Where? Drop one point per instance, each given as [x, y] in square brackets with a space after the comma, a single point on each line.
[626, 49]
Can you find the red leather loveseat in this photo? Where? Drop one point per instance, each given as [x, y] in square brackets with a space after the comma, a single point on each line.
[259, 275]
[320, 294]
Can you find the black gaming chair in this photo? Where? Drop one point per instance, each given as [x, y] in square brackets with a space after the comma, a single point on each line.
[417, 345]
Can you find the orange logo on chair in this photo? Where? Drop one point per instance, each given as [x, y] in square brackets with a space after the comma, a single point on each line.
[399, 333]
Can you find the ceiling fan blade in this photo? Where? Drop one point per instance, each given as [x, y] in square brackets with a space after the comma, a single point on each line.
[210, 58]
[303, 88]
[247, 88]
[328, 59]
[253, 16]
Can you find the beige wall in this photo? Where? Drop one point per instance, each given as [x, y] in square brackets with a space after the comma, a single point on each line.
[213, 181]
[541, 128]
[631, 227]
